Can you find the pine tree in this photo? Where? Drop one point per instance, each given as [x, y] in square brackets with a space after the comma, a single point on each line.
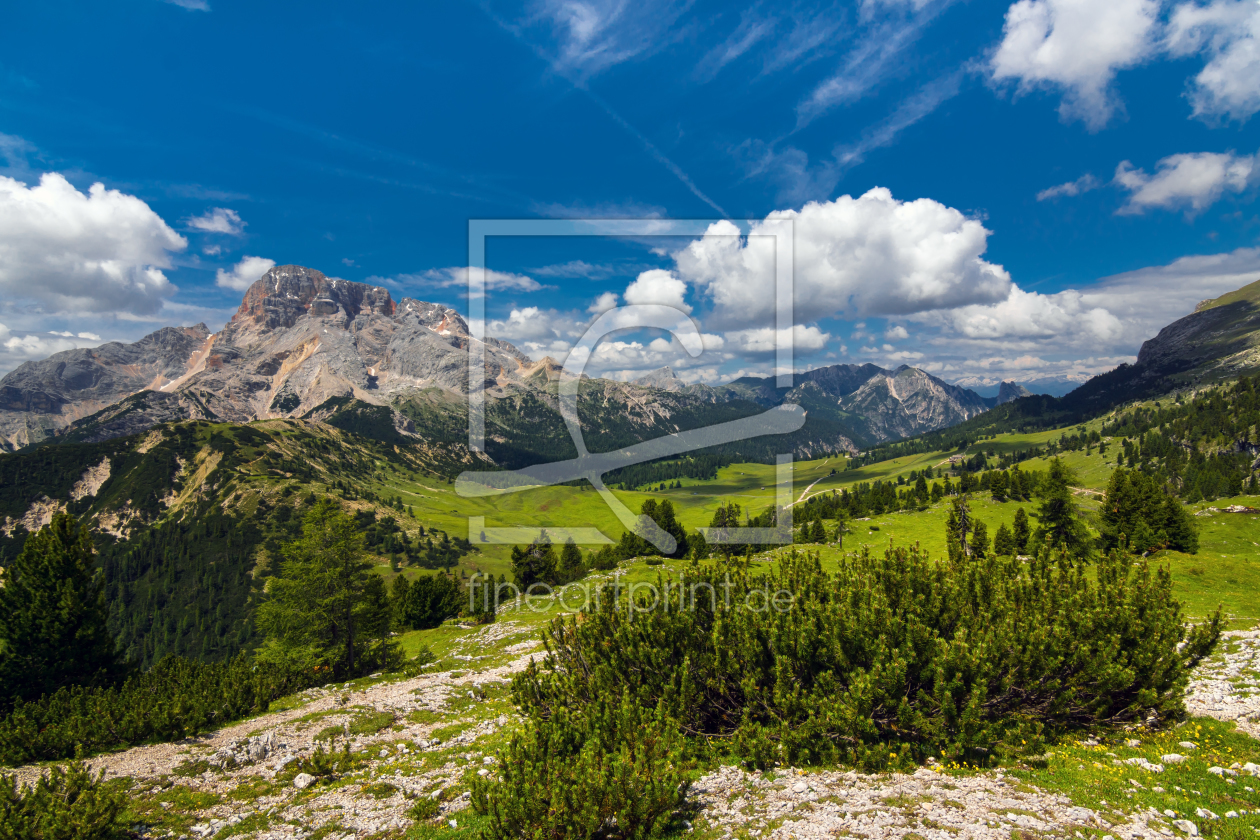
[431, 600]
[979, 540]
[957, 528]
[1059, 524]
[327, 607]
[570, 567]
[816, 532]
[53, 615]
[662, 513]
[1021, 531]
[1179, 527]
[724, 519]
[998, 485]
[535, 563]
[398, 599]
[1003, 542]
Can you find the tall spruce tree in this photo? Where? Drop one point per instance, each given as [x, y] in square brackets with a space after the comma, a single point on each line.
[1021, 531]
[817, 534]
[1182, 533]
[979, 540]
[1003, 541]
[958, 526]
[1058, 522]
[725, 518]
[535, 563]
[662, 513]
[327, 607]
[570, 567]
[53, 615]
[1138, 511]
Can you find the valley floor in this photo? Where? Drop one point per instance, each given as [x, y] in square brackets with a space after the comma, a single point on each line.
[428, 735]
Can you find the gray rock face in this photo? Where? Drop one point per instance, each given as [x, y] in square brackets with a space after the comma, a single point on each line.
[1008, 391]
[300, 340]
[662, 379]
[297, 340]
[908, 401]
[39, 397]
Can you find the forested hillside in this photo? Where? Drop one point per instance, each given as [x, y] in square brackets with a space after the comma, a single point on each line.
[188, 516]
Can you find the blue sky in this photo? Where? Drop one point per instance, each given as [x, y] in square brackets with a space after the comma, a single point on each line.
[985, 190]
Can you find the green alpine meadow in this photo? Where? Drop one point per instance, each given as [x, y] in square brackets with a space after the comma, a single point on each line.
[607, 420]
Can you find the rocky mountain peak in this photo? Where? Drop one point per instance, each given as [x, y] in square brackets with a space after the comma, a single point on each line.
[662, 379]
[287, 292]
[1008, 391]
[441, 319]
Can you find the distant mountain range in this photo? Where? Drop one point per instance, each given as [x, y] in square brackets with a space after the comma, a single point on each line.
[1217, 342]
[304, 346]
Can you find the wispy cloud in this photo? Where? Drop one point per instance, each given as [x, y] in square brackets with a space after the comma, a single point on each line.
[592, 36]
[1083, 184]
[800, 181]
[443, 180]
[877, 56]
[1195, 181]
[564, 67]
[457, 277]
[753, 28]
[812, 35]
[190, 5]
[923, 102]
[581, 269]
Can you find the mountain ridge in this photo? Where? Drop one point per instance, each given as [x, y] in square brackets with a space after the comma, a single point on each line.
[300, 339]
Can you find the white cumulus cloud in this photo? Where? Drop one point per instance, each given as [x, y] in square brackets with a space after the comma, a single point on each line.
[15, 349]
[871, 255]
[660, 287]
[531, 323]
[1076, 46]
[244, 274]
[218, 220]
[1106, 319]
[765, 339]
[1033, 315]
[1228, 32]
[100, 251]
[603, 303]
[1194, 180]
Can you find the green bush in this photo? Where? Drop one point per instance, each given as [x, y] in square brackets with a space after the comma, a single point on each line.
[325, 763]
[176, 698]
[67, 804]
[426, 808]
[613, 771]
[891, 659]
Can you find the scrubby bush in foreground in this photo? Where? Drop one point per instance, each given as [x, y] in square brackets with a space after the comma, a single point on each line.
[176, 698]
[890, 660]
[67, 804]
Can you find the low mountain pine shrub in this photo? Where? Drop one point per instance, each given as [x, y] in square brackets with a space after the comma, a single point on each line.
[66, 804]
[176, 698]
[891, 659]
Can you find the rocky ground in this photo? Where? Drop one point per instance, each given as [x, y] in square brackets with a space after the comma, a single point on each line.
[423, 738]
[1227, 687]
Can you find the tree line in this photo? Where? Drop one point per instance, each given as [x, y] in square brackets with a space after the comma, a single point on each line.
[65, 683]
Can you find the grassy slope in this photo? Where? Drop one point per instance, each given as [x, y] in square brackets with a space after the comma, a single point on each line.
[1226, 570]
